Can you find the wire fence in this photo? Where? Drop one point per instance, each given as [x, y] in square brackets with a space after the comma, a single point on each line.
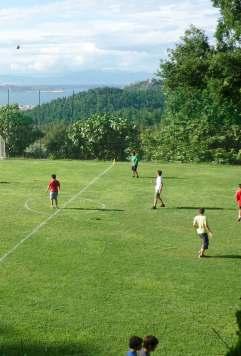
[30, 97]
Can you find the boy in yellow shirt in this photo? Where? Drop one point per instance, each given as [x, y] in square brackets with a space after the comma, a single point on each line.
[203, 231]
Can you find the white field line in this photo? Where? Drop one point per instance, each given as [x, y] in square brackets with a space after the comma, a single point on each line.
[45, 222]
[26, 206]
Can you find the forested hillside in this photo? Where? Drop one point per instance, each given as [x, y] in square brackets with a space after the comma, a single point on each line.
[142, 102]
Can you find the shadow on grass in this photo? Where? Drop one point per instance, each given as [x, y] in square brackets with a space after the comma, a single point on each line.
[143, 177]
[15, 345]
[92, 209]
[5, 331]
[198, 207]
[236, 351]
[3, 182]
[226, 256]
[175, 178]
[56, 349]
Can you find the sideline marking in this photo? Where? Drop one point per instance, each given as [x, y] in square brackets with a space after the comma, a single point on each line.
[44, 222]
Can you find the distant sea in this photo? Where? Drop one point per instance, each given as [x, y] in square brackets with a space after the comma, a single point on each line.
[28, 96]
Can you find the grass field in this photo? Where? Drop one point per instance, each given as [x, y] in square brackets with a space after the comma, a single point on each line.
[106, 266]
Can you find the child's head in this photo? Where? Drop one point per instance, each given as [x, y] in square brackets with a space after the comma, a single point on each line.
[53, 176]
[201, 211]
[135, 343]
[159, 172]
[239, 186]
[150, 343]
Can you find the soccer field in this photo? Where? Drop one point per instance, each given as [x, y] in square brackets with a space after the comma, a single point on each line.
[82, 279]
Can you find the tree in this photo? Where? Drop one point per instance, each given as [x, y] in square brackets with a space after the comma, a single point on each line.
[105, 136]
[202, 117]
[58, 143]
[184, 75]
[17, 129]
[196, 140]
[224, 82]
[228, 31]
[187, 64]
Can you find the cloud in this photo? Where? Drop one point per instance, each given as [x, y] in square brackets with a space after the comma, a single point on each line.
[63, 35]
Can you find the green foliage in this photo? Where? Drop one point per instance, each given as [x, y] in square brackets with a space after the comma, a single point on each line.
[202, 118]
[224, 82]
[228, 31]
[36, 150]
[193, 141]
[187, 64]
[58, 143]
[17, 129]
[105, 136]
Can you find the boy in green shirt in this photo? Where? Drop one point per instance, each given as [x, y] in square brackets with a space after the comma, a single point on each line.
[134, 164]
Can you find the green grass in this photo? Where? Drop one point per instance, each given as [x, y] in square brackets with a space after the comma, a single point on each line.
[91, 277]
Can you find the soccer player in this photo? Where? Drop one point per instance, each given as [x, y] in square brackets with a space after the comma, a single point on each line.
[149, 345]
[134, 164]
[203, 231]
[135, 344]
[53, 189]
[158, 190]
[238, 200]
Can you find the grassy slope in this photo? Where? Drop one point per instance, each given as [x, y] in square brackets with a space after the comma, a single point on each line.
[91, 278]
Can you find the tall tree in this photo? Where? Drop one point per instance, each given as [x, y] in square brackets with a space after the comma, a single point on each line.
[187, 64]
[57, 141]
[185, 74]
[17, 129]
[105, 136]
[228, 31]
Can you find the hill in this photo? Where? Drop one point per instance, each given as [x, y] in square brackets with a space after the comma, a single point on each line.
[141, 102]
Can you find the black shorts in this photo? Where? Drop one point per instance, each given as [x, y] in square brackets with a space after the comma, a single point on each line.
[134, 168]
[205, 240]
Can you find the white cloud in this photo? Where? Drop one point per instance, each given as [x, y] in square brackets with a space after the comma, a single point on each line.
[77, 35]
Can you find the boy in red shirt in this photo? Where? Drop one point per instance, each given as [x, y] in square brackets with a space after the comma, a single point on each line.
[53, 189]
[238, 200]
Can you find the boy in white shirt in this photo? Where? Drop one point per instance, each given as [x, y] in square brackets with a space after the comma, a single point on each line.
[158, 190]
[203, 231]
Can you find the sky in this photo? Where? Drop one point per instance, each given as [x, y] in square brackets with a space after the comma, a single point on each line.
[67, 38]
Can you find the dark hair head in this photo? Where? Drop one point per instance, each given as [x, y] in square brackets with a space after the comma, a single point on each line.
[53, 176]
[150, 342]
[134, 152]
[135, 343]
[159, 172]
[239, 185]
[201, 210]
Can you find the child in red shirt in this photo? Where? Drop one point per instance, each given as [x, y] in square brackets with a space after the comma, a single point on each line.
[238, 200]
[53, 189]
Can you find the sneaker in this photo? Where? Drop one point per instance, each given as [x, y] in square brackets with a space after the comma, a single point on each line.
[154, 207]
[163, 206]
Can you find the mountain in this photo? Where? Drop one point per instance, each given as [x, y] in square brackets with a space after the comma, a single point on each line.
[141, 102]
